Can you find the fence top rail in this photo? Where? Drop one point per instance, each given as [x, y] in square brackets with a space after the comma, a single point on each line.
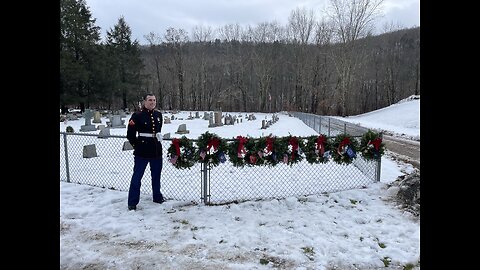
[171, 139]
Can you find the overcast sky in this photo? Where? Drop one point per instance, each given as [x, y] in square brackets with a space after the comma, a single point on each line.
[145, 16]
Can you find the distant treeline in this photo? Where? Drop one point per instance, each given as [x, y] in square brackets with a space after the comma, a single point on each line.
[309, 67]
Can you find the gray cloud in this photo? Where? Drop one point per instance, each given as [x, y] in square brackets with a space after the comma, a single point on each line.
[145, 16]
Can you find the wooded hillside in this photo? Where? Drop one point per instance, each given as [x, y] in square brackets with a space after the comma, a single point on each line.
[323, 67]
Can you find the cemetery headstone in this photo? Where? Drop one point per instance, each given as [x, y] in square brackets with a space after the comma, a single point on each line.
[182, 129]
[116, 121]
[127, 146]
[104, 133]
[96, 117]
[88, 124]
[89, 151]
[218, 119]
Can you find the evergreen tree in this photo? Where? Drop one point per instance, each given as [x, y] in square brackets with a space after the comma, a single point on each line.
[126, 63]
[78, 39]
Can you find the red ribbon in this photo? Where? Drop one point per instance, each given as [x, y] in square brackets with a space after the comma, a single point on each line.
[376, 143]
[176, 144]
[321, 143]
[241, 148]
[269, 144]
[294, 143]
[213, 142]
[344, 142]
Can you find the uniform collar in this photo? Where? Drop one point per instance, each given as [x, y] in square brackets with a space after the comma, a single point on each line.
[147, 110]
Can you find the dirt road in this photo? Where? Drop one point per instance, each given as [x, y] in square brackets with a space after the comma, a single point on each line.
[406, 150]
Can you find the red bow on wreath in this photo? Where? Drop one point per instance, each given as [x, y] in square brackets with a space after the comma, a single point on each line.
[213, 142]
[176, 144]
[321, 144]
[341, 147]
[241, 148]
[269, 144]
[294, 143]
[376, 143]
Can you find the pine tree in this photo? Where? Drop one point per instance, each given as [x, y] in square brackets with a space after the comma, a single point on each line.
[126, 63]
[78, 40]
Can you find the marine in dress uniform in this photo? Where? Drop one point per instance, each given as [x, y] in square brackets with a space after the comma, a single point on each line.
[142, 131]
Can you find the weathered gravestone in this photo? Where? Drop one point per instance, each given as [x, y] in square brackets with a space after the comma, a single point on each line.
[89, 151]
[218, 119]
[127, 146]
[117, 122]
[182, 129]
[88, 121]
[104, 133]
[96, 117]
[210, 121]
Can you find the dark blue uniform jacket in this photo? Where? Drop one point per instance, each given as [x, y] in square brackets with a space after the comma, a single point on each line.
[145, 121]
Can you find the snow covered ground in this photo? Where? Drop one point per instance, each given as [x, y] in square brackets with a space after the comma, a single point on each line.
[353, 229]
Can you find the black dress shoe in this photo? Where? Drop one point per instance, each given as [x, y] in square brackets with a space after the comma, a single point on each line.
[132, 207]
[161, 200]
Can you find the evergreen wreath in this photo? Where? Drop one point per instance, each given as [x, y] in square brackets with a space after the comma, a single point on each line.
[293, 149]
[344, 149]
[211, 149]
[266, 151]
[371, 146]
[318, 149]
[238, 150]
[181, 153]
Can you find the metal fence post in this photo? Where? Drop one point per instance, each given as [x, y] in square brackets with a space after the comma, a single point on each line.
[329, 127]
[66, 156]
[379, 167]
[314, 122]
[379, 163]
[320, 126]
[205, 186]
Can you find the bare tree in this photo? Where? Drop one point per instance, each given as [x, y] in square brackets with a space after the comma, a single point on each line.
[301, 23]
[391, 26]
[155, 41]
[230, 32]
[202, 33]
[352, 19]
[176, 39]
[264, 57]
[199, 67]
[323, 33]
[259, 33]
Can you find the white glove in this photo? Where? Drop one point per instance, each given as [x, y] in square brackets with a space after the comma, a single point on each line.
[159, 137]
